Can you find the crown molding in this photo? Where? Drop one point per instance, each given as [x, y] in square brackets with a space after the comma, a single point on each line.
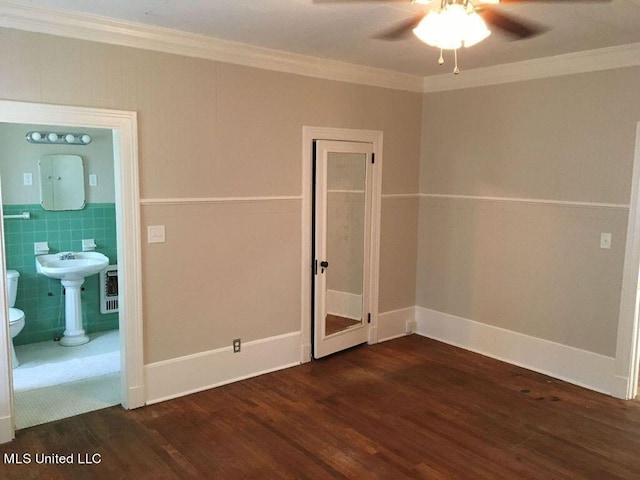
[21, 16]
[567, 64]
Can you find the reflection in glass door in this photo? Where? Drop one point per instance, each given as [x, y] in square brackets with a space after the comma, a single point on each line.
[342, 207]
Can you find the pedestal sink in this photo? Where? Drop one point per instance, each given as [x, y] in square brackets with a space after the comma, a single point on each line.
[71, 269]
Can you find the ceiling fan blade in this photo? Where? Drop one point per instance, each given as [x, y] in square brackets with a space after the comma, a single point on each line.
[401, 30]
[556, 1]
[510, 24]
[359, 1]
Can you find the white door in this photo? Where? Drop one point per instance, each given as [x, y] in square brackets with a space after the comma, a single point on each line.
[342, 245]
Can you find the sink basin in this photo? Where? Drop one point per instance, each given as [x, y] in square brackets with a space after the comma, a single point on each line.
[70, 265]
[71, 269]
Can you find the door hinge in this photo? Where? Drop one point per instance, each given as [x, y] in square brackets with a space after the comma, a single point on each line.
[373, 158]
[368, 318]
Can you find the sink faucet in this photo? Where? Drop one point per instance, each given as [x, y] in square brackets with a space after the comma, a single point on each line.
[68, 256]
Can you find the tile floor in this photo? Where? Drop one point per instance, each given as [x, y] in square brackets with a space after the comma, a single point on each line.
[54, 382]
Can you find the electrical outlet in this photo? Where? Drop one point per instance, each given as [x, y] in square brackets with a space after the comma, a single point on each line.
[605, 240]
[410, 326]
[237, 344]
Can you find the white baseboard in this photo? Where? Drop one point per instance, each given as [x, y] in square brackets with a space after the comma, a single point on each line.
[6, 429]
[182, 376]
[344, 304]
[620, 388]
[135, 398]
[580, 367]
[393, 324]
[193, 373]
[305, 353]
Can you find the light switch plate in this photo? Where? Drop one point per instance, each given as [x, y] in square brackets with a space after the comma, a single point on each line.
[605, 240]
[93, 180]
[155, 234]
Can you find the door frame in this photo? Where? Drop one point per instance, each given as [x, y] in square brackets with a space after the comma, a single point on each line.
[626, 365]
[309, 134]
[125, 132]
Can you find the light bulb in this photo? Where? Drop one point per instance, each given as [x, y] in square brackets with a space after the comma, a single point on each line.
[69, 138]
[452, 27]
[476, 30]
[85, 138]
[36, 136]
[53, 137]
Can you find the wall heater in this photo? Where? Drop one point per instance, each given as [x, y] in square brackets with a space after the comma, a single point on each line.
[109, 289]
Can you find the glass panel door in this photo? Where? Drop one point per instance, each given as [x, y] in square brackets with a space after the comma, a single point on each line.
[342, 244]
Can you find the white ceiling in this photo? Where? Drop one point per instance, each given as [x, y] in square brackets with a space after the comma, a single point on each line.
[345, 31]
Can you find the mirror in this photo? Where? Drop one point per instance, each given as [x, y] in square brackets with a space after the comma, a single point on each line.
[346, 181]
[61, 182]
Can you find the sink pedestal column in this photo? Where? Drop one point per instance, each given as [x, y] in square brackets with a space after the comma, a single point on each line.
[73, 332]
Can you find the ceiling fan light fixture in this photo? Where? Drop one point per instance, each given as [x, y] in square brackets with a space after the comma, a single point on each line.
[476, 30]
[452, 27]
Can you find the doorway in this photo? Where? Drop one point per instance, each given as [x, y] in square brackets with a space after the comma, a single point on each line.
[341, 229]
[59, 192]
[124, 128]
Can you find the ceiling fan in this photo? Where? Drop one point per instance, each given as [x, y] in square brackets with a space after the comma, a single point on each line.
[452, 24]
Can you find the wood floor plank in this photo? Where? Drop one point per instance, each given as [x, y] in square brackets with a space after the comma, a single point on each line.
[411, 408]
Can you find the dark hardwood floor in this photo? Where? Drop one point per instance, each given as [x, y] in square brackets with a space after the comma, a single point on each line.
[408, 408]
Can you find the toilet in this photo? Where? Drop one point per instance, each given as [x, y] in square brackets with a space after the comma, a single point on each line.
[16, 317]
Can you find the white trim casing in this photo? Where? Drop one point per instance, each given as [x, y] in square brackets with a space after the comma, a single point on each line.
[207, 200]
[6, 383]
[533, 201]
[546, 67]
[580, 367]
[130, 259]
[124, 125]
[309, 134]
[627, 347]
[97, 28]
[201, 371]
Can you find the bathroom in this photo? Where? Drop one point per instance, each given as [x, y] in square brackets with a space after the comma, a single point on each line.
[53, 381]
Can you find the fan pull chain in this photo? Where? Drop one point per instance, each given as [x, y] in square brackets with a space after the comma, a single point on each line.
[456, 70]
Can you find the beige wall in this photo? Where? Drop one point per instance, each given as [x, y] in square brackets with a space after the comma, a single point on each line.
[225, 272]
[563, 138]
[533, 269]
[398, 237]
[206, 130]
[17, 156]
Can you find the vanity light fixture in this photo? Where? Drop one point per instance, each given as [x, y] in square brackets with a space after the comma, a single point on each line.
[52, 138]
